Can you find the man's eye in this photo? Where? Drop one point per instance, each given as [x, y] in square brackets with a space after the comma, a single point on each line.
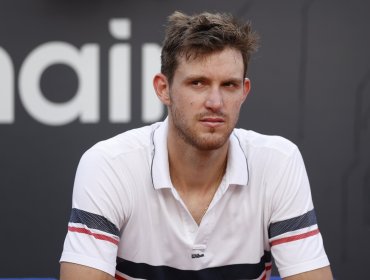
[230, 85]
[197, 83]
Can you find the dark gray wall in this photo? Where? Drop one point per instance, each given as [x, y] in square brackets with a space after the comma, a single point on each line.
[311, 84]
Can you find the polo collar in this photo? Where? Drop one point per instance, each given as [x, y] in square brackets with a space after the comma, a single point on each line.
[236, 170]
[160, 167]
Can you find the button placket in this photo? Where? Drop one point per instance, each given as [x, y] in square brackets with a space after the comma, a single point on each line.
[198, 236]
[199, 248]
[191, 228]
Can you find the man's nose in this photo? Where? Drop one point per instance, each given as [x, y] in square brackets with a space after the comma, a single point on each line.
[214, 99]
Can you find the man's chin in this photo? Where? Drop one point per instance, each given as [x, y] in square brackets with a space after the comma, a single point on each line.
[210, 143]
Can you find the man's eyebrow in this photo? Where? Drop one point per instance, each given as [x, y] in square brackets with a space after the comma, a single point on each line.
[196, 77]
[234, 80]
[204, 78]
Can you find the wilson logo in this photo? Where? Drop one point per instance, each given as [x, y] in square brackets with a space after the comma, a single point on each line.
[196, 256]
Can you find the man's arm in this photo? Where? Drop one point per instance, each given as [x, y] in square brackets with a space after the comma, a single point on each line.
[71, 271]
[317, 274]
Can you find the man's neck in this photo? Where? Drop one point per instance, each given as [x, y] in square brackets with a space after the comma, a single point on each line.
[194, 170]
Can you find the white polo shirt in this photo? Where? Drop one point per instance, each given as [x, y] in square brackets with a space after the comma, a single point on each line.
[129, 221]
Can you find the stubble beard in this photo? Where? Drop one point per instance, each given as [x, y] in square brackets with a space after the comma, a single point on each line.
[207, 142]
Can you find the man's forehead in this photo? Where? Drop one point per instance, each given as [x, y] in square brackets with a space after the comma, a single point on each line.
[202, 56]
[228, 61]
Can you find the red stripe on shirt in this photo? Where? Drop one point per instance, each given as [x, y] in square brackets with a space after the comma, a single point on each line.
[294, 238]
[264, 273]
[119, 277]
[96, 235]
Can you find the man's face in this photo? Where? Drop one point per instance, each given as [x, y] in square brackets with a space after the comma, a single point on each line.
[205, 98]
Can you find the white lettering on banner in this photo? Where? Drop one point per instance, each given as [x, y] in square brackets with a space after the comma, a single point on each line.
[119, 72]
[151, 107]
[6, 88]
[85, 104]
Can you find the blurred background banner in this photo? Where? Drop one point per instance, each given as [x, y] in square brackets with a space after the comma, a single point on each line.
[76, 72]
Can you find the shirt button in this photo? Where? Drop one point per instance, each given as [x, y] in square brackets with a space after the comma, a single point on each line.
[200, 247]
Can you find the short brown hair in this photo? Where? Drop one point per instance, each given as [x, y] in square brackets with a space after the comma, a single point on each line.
[202, 34]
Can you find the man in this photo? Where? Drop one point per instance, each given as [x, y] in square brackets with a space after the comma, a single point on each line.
[192, 197]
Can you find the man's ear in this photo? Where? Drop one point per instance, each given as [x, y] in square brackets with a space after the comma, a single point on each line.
[162, 88]
[246, 88]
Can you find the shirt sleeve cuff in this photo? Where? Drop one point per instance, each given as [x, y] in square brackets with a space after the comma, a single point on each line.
[304, 267]
[88, 261]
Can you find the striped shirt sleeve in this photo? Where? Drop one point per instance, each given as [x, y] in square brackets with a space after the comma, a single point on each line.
[94, 225]
[98, 211]
[294, 236]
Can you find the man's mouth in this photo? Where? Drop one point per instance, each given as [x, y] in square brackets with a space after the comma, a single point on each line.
[212, 121]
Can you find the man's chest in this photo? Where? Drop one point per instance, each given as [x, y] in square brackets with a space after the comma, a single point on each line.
[162, 231]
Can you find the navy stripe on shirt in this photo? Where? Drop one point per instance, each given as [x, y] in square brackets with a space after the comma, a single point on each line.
[303, 221]
[93, 221]
[161, 272]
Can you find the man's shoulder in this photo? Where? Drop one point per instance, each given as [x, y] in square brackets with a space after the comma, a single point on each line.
[133, 140]
[253, 141]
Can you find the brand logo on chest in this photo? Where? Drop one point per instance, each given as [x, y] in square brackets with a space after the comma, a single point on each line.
[196, 256]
